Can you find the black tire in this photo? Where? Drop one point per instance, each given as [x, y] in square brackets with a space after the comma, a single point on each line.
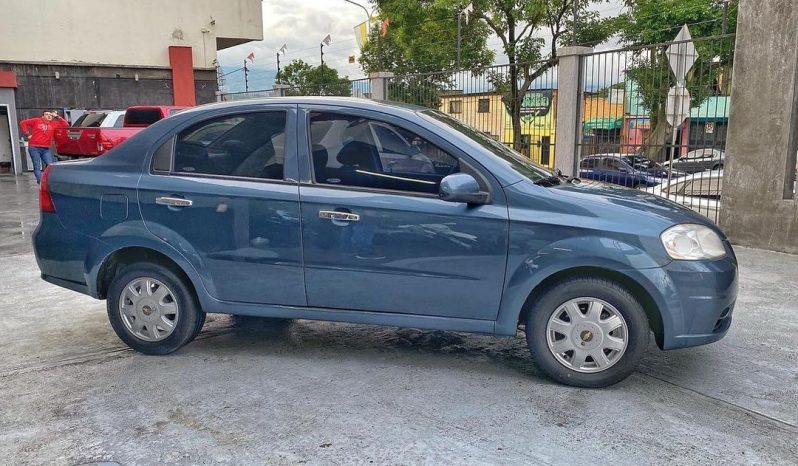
[190, 317]
[578, 287]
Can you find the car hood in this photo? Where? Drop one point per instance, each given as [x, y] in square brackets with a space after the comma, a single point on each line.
[632, 201]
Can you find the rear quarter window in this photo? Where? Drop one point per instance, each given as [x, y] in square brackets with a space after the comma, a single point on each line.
[142, 116]
[90, 120]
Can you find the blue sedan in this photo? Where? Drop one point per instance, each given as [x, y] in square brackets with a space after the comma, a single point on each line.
[625, 170]
[352, 210]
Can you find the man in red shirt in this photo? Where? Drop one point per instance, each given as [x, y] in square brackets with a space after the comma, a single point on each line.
[39, 132]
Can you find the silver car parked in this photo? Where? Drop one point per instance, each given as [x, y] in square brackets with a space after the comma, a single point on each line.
[699, 160]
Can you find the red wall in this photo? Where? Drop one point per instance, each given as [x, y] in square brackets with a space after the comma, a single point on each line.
[8, 79]
[182, 75]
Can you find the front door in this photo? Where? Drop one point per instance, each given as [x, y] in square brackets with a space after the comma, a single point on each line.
[219, 192]
[376, 236]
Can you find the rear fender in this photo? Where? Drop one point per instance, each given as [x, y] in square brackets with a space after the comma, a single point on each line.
[130, 235]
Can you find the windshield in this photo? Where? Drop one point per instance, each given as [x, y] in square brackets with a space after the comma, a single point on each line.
[90, 120]
[641, 163]
[518, 162]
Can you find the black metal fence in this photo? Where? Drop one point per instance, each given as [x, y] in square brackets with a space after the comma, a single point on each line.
[523, 117]
[644, 128]
[341, 87]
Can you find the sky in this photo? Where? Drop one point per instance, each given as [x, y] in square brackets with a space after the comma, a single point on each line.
[301, 25]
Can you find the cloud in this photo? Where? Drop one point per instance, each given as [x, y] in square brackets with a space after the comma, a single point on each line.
[301, 25]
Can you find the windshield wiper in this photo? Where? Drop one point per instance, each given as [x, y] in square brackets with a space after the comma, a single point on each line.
[556, 179]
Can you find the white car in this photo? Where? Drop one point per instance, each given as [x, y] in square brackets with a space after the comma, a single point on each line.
[699, 191]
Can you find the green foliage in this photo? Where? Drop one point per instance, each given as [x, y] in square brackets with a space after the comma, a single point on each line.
[659, 21]
[305, 79]
[422, 38]
[519, 24]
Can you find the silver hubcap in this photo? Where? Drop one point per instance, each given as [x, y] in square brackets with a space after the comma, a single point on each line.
[148, 309]
[587, 335]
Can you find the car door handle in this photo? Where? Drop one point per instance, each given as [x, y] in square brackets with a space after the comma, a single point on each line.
[341, 216]
[173, 201]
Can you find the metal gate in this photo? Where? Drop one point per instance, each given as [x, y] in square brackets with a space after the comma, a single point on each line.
[655, 118]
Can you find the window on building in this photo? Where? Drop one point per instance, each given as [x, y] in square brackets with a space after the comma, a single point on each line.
[250, 145]
[349, 150]
[455, 106]
[483, 105]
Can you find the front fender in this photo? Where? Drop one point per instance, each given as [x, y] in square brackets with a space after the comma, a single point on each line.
[527, 270]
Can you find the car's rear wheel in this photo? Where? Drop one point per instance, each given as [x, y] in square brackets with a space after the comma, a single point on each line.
[587, 332]
[152, 309]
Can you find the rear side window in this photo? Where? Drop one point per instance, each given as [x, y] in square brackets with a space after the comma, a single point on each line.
[250, 145]
[142, 116]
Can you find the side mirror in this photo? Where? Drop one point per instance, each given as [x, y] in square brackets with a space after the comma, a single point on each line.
[623, 170]
[462, 187]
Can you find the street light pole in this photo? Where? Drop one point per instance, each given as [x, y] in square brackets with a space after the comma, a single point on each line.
[459, 28]
[368, 26]
[278, 68]
[246, 77]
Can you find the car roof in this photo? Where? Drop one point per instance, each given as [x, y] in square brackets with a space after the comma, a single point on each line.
[366, 104]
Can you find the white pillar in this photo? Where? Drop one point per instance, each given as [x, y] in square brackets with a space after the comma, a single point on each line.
[378, 82]
[569, 109]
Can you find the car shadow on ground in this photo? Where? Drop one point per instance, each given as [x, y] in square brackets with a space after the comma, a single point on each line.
[260, 336]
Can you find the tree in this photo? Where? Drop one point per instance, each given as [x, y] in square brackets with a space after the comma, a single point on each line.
[518, 24]
[419, 46]
[305, 79]
[643, 24]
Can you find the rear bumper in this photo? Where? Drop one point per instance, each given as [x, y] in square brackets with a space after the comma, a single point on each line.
[70, 285]
[696, 300]
[60, 254]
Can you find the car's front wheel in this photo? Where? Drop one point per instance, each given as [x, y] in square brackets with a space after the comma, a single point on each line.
[152, 309]
[587, 332]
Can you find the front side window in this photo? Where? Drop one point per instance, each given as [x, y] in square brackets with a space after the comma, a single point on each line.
[249, 145]
[350, 150]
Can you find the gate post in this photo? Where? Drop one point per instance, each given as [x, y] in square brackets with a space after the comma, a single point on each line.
[569, 109]
[378, 83]
[279, 90]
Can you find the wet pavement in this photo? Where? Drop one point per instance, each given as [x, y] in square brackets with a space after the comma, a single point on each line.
[286, 392]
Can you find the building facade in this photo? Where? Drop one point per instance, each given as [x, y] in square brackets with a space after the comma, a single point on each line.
[111, 54]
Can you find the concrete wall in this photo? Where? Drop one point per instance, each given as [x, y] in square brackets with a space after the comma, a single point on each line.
[134, 33]
[763, 129]
[103, 87]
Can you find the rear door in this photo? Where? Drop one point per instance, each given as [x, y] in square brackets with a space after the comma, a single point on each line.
[222, 192]
[382, 240]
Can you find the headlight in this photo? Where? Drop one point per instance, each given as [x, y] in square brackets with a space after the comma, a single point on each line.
[692, 242]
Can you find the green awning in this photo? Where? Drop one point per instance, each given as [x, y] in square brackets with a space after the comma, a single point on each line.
[603, 123]
[713, 108]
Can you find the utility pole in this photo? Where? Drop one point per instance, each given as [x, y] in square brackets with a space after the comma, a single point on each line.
[576, 21]
[725, 27]
[246, 76]
[278, 68]
[459, 28]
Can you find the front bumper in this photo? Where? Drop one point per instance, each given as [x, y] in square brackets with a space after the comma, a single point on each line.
[696, 300]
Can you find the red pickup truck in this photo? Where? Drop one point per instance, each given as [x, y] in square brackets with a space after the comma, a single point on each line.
[96, 132]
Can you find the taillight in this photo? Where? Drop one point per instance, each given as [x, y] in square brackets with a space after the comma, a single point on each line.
[104, 144]
[45, 200]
